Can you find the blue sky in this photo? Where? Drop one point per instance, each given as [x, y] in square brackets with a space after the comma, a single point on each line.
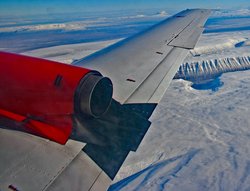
[27, 7]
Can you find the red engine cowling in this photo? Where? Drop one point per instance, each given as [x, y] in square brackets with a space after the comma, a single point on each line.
[43, 95]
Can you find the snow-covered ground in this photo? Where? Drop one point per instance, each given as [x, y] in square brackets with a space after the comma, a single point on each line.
[217, 53]
[69, 53]
[199, 140]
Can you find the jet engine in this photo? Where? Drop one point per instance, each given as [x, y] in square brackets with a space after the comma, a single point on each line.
[43, 95]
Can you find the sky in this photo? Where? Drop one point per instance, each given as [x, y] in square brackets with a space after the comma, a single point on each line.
[31, 7]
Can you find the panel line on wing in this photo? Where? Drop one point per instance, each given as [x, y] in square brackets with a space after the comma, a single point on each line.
[166, 80]
[95, 180]
[176, 35]
[129, 97]
[171, 40]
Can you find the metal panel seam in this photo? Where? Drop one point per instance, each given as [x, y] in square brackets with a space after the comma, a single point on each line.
[180, 32]
[95, 180]
[164, 77]
[149, 74]
[59, 171]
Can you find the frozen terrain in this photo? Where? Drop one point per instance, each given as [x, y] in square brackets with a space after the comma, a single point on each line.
[69, 53]
[19, 34]
[217, 53]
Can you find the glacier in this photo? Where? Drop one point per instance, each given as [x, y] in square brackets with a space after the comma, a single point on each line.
[215, 54]
[208, 69]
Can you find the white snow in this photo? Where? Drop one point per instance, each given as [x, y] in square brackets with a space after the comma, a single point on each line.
[231, 12]
[217, 53]
[68, 26]
[246, 43]
[27, 25]
[218, 43]
[207, 69]
[158, 14]
[64, 26]
[69, 53]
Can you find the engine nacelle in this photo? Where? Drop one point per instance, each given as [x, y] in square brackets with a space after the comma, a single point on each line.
[45, 94]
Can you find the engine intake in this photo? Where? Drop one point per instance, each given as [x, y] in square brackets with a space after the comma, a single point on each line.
[93, 95]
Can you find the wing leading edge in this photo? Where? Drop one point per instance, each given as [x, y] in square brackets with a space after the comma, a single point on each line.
[141, 68]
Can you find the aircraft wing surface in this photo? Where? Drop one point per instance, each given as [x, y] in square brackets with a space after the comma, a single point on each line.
[141, 67]
[54, 139]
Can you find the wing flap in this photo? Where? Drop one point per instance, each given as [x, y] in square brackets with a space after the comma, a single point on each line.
[188, 38]
[32, 163]
[81, 174]
[190, 35]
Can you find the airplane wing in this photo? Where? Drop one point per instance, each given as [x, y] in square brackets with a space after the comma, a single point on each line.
[141, 67]
[61, 128]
